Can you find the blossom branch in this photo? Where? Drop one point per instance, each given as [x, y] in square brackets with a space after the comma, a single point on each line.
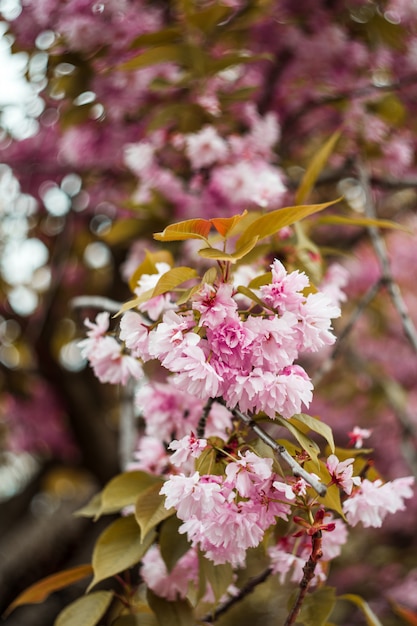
[243, 592]
[296, 468]
[96, 302]
[308, 569]
[382, 254]
[203, 419]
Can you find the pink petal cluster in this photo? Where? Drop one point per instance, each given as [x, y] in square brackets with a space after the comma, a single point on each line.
[372, 501]
[226, 515]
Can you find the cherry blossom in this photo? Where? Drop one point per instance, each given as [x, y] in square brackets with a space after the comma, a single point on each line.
[372, 501]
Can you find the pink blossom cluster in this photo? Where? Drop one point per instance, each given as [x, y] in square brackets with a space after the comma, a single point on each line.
[226, 515]
[225, 171]
[215, 350]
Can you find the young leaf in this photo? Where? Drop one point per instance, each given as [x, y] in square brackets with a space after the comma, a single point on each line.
[150, 508]
[189, 229]
[315, 168]
[362, 221]
[317, 426]
[43, 588]
[148, 265]
[219, 577]
[138, 619]
[224, 225]
[171, 279]
[123, 490]
[87, 610]
[215, 254]
[174, 53]
[172, 545]
[132, 304]
[92, 508]
[251, 295]
[259, 281]
[272, 222]
[305, 442]
[370, 617]
[119, 547]
[178, 613]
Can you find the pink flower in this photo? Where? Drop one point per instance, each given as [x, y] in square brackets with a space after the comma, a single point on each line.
[150, 456]
[215, 305]
[195, 374]
[357, 435]
[134, 332]
[185, 448]
[284, 293]
[173, 584]
[171, 337]
[110, 365]
[97, 331]
[374, 500]
[341, 473]
[248, 472]
[205, 147]
[316, 313]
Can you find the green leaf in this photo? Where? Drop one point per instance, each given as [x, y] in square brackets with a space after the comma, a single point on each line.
[150, 508]
[251, 295]
[123, 490]
[171, 544]
[219, 577]
[186, 117]
[272, 222]
[174, 53]
[305, 442]
[235, 58]
[315, 168]
[170, 613]
[259, 281]
[207, 20]
[87, 610]
[43, 588]
[160, 37]
[148, 265]
[215, 254]
[210, 460]
[225, 225]
[92, 508]
[171, 279]
[139, 619]
[371, 618]
[317, 426]
[317, 607]
[132, 304]
[332, 498]
[362, 221]
[189, 229]
[119, 547]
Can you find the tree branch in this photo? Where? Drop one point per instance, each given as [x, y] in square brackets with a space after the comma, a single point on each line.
[382, 255]
[308, 569]
[243, 592]
[296, 468]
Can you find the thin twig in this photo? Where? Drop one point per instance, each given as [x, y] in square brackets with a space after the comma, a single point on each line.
[296, 468]
[308, 569]
[382, 254]
[343, 335]
[243, 592]
[203, 419]
[96, 302]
